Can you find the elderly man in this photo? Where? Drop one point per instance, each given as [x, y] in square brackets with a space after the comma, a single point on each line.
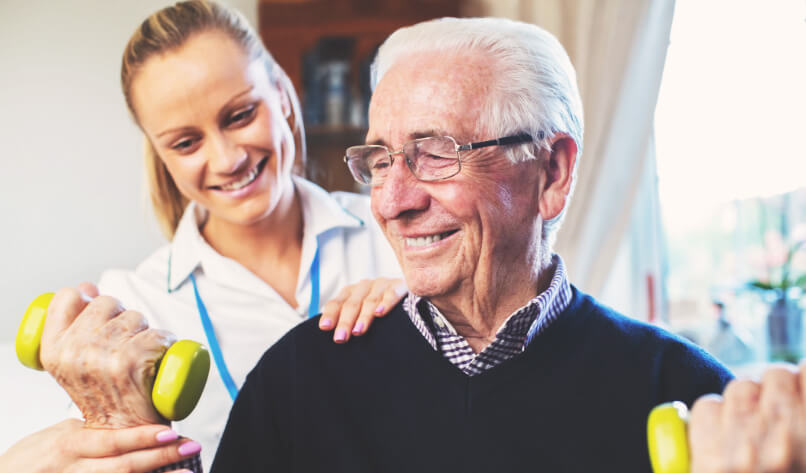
[494, 361]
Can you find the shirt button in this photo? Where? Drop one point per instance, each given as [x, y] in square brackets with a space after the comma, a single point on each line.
[439, 322]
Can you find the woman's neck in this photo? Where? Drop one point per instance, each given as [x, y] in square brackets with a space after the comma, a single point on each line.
[270, 248]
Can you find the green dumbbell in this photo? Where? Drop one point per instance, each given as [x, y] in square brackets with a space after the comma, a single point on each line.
[667, 436]
[181, 375]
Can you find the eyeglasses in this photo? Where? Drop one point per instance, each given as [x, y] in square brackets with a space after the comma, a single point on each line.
[430, 159]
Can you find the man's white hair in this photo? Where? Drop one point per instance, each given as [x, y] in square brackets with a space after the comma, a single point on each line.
[535, 89]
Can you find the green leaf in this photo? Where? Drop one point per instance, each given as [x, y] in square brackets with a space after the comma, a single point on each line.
[761, 285]
[801, 282]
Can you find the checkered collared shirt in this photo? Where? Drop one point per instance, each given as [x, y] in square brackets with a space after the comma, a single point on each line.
[512, 338]
[193, 464]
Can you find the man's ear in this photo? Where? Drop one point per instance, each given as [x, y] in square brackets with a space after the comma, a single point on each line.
[558, 169]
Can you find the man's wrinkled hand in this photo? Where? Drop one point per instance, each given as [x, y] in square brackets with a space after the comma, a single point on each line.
[105, 357]
[754, 426]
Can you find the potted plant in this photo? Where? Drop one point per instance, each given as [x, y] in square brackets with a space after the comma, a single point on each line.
[783, 288]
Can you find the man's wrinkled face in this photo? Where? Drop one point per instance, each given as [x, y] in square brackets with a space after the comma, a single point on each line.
[474, 227]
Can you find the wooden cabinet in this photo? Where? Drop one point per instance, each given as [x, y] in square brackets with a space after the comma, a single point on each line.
[326, 46]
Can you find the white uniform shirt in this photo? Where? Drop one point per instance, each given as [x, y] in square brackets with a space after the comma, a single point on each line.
[248, 315]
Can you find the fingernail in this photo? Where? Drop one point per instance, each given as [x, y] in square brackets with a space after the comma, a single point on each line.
[341, 335]
[189, 448]
[380, 309]
[401, 289]
[359, 327]
[167, 436]
[326, 323]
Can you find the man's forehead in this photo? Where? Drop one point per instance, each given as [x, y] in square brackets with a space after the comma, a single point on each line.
[429, 94]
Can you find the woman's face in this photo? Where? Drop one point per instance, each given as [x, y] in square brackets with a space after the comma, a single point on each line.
[220, 126]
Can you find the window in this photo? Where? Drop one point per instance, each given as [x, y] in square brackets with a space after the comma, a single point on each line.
[731, 149]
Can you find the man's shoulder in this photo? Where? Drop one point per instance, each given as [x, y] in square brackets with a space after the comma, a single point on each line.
[600, 318]
[306, 344]
[675, 363]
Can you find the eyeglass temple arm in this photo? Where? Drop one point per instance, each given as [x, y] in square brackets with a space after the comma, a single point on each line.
[507, 140]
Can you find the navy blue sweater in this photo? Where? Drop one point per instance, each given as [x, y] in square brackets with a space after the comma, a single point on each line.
[576, 400]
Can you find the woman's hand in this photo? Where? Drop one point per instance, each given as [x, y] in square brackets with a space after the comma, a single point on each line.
[70, 447]
[105, 357]
[353, 310]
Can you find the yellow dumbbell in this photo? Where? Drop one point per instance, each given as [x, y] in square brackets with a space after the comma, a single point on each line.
[181, 375]
[668, 439]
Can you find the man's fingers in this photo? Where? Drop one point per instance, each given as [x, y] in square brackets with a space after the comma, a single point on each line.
[88, 289]
[780, 393]
[706, 415]
[741, 398]
[781, 412]
[63, 309]
[125, 325]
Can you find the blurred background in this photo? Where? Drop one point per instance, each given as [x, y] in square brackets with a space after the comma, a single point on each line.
[689, 212]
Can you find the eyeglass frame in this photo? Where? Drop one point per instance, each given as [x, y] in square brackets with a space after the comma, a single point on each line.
[503, 141]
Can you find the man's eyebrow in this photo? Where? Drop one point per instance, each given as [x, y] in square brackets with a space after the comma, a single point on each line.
[415, 135]
[232, 99]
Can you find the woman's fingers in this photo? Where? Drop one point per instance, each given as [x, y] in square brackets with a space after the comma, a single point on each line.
[358, 294]
[384, 295]
[132, 451]
[394, 292]
[97, 443]
[71, 447]
[357, 305]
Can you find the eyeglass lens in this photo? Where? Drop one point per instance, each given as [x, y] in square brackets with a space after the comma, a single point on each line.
[428, 158]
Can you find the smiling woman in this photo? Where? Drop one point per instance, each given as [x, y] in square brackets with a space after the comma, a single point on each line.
[220, 129]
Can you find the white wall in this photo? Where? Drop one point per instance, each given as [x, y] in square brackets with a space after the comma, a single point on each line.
[71, 181]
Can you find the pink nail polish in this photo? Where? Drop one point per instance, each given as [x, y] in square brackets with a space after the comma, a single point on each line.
[341, 335]
[189, 448]
[326, 324]
[167, 436]
[380, 309]
[358, 328]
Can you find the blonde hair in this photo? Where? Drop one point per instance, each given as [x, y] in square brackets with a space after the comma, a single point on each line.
[167, 30]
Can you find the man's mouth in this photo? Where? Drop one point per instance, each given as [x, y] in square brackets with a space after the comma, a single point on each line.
[421, 241]
[247, 179]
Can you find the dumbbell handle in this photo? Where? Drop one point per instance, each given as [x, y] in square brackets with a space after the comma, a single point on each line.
[181, 375]
[668, 438]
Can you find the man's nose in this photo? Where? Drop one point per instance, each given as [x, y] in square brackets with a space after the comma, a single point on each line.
[225, 156]
[401, 193]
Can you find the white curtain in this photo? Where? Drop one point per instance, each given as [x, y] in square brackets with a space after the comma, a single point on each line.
[618, 48]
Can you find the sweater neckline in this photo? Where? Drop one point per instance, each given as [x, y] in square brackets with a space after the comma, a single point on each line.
[408, 339]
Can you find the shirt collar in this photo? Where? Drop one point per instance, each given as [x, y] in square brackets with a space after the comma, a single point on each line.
[321, 213]
[547, 305]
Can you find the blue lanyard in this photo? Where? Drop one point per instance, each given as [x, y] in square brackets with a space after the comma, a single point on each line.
[212, 340]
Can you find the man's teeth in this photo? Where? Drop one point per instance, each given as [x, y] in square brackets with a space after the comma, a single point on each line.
[242, 182]
[426, 240]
